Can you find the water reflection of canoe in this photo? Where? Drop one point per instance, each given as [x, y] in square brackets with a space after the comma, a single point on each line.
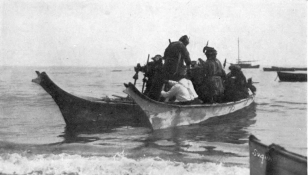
[165, 115]
[80, 111]
[292, 76]
[274, 160]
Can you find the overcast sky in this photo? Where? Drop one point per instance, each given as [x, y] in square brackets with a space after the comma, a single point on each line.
[124, 32]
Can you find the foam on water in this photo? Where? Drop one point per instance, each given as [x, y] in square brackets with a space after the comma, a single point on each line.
[118, 164]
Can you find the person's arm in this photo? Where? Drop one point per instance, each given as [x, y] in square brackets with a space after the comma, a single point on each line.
[192, 89]
[185, 56]
[171, 93]
[172, 83]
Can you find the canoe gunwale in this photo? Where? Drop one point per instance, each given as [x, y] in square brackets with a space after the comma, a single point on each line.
[45, 78]
[279, 149]
[138, 93]
[274, 159]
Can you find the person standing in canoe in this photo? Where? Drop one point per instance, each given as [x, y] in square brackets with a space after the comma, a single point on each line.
[174, 57]
[183, 90]
[214, 75]
[150, 69]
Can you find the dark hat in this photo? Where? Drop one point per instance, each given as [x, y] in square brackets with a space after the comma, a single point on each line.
[157, 57]
[184, 38]
[235, 68]
[209, 50]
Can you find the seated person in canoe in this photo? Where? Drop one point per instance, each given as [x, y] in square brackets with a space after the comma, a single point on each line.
[183, 90]
[236, 86]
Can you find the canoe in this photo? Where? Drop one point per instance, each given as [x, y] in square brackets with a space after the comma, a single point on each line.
[164, 115]
[84, 111]
[276, 69]
[292, 76]
[290, 68]
[274, 160]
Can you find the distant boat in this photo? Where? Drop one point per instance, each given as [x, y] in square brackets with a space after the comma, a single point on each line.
[292, 76]
[244, 64]
[274, 160]
[274, 68]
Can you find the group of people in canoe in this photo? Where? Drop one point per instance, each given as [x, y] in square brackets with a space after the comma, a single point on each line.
[175, 78]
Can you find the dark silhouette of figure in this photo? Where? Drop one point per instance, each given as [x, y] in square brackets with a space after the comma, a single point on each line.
[236, 86]
[214, 75]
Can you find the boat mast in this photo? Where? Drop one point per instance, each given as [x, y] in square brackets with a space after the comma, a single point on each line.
[238, 50]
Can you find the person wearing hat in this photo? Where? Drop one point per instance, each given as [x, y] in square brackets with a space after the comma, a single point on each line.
[235, 84]
[150, 70]
[214, 75]
[175, 55]
[183, 90]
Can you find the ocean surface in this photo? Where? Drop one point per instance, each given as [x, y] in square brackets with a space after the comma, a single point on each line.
[34, 138]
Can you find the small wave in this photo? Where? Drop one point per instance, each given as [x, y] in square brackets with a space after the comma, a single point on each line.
[118, 164]
[289, 102]
[262, 104]
[274, 105]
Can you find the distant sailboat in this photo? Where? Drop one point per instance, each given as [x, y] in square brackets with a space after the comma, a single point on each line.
[244, 64]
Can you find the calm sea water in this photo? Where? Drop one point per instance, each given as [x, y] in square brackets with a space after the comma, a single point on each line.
[35, 140]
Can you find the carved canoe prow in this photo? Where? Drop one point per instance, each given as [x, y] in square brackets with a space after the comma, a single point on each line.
[80, 111]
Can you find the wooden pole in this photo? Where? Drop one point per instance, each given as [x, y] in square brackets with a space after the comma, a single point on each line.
[145, 73]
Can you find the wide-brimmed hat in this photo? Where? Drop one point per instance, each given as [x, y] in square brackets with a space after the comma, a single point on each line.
[157, 57]
[209, 50]
[235, 68]
[184, 39]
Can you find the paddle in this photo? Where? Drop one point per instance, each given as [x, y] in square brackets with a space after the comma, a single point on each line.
[276, 78]
[225, 62]
[144, 79]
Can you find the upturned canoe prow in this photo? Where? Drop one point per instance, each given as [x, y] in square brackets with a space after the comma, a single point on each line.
[80, 111]
[38, 79]
[165, 115]
[274, 160]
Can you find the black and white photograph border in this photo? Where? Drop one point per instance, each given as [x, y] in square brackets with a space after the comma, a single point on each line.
[153, 87]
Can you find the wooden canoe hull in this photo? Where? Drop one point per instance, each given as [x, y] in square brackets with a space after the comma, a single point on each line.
[274, 160]
[164, 115]
[80, 111]
[292, 77]
[276, 69]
